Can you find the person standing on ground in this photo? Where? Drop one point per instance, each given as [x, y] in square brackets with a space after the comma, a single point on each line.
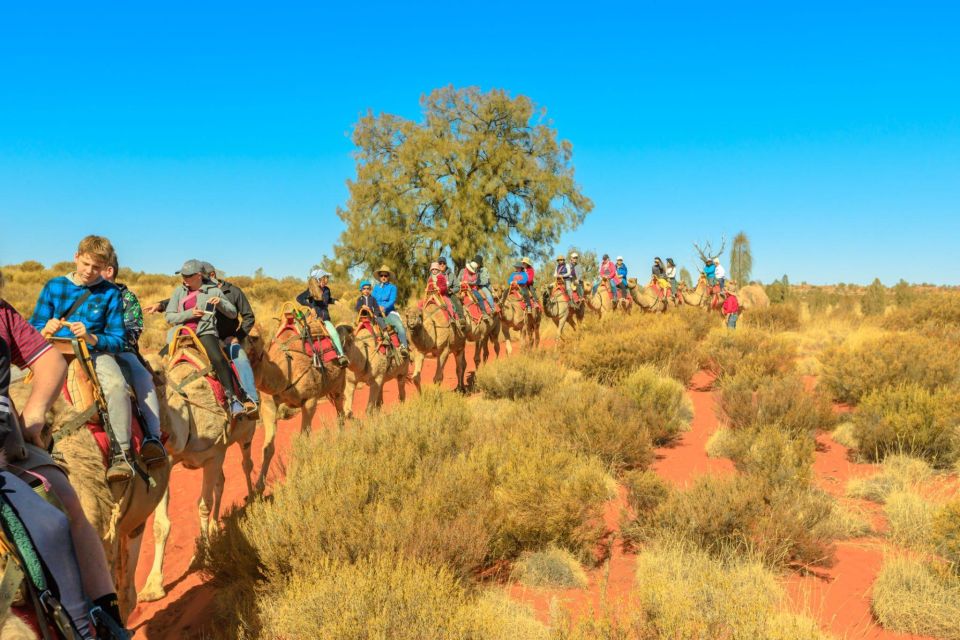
[731, 306]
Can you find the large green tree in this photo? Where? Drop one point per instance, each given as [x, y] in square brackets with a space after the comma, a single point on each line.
[741, 259]
[480, 173]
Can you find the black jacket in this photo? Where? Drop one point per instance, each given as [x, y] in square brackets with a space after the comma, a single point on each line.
[320, 307]
[240, 326]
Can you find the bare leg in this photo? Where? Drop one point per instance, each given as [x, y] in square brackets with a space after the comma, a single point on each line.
[153, 588]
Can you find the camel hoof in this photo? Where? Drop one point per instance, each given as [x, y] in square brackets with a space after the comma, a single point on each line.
[151, 593]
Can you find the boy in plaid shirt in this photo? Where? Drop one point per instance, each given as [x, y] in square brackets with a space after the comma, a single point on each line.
[98, 320]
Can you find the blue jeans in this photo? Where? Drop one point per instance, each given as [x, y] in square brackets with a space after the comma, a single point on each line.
[393, 319]
[141, 380]
[485, 291]
[236, 353]
[732, 320]
[722, 282]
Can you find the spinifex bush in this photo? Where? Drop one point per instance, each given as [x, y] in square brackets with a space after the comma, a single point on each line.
[777, 317]
[661, 403]
[387, 597]
[912, 596]
[748, 351]
[552, 567]
[850, 373]
[898, 473]
[783, 401]
[610, 350]
[928, 311]
[522, 376]
[743, 516]
[595, 420]
[945, 533]
[912, 420]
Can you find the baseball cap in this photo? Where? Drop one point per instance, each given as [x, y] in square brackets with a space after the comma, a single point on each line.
[190, 267]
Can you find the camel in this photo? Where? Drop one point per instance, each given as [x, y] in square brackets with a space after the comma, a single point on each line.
[560, 309]
[648, 298]
[119, 521]
[600, 301]
[700, 296]
[371, 367]
[199, 432]
[753, 296]
[481, 331]
[513, 316]
[285, 374]
[433, 336]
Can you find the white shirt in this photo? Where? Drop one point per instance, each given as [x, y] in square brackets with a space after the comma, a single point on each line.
[671, 272]
[720, 273]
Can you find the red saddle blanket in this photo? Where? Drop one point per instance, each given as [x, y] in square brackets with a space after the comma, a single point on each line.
[95, 427]
[366, 324]
[322, 346]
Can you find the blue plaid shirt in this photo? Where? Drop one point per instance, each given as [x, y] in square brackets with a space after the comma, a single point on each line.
[101, 312]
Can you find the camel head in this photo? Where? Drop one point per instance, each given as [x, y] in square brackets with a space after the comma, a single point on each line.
[345, 333]
[414, 318]
[631, 283]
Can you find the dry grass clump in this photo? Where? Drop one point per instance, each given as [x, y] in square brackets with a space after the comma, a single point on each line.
[931, 312]
[910, 517]
[661, 402]
[386, 597]
[782, 401]
[945, 533]
[898, 473]
[597, 421]
[845, 434]
[552, 567]
[522, 376]
[748, 351]
[428, 482]
[909, 419]
[610, 350]
[776, 317]
[913, 596]
[851, 372]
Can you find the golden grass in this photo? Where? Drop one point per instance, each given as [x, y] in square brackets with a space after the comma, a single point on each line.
[750, 352]
[911, 596]
[898, 473]
[522, 376]
[552, 567]
[661, 402]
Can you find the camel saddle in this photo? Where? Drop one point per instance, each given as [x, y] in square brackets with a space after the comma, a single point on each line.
[81, 390]
[187, 350]
[365, 322]
[315, 340]
[516, 295]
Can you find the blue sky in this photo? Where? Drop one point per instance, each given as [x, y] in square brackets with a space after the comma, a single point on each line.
[829, 132]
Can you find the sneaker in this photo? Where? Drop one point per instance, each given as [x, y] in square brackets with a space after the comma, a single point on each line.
[236, 409]
[405, 352]
[250, 408]
[342, 361]
[152, 452]
[120, 469]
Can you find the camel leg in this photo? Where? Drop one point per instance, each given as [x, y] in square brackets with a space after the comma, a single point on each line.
[402, 387]
[441, 363]
[153, 588]
[506, 339]
[418, 358]
[127, 589]
[217, 499]
[212, 477]
[268, 415]
[461, 361]
[348, 391]
[477, 352]
[307, 412]
[376, 394]
[247, 464]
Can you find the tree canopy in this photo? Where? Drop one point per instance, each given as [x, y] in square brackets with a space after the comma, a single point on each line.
[741, 259]
[480, 173]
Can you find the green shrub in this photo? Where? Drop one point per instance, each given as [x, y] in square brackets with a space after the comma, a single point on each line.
[552, 567]
[911, 597]
[850, 373]
[597, 421]
[610, 350]
[874, 299]
[927, 313]
[781, 401]
[945, 533]
[844, 434]
[661, 403]
[748, 350]
[522, 376]
[777, 317]
[646, 491]
[911, 420]
[742, 516]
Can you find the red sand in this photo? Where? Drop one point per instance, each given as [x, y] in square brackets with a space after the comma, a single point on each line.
[838, 597]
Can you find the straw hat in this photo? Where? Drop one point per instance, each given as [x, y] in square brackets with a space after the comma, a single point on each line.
[472, 267]
[526, 261]
[383, 269]
[559, 258]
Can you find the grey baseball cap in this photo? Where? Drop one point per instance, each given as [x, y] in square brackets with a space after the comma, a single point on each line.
[190, 267]
[206, 268]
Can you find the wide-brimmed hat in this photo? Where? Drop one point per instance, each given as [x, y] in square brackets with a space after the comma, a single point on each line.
[383, 269]
[574, 255]
[434, 265]
[190, 268]
[559, 258]
[526, 260]
[472, 267]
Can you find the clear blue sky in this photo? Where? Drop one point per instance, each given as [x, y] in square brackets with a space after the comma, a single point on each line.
[830, 132]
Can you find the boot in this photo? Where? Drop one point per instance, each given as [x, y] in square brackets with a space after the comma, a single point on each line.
[236, 407]
[342, 361]
[120, 469]
[106, 618]
[250, 409]
[152, 452]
